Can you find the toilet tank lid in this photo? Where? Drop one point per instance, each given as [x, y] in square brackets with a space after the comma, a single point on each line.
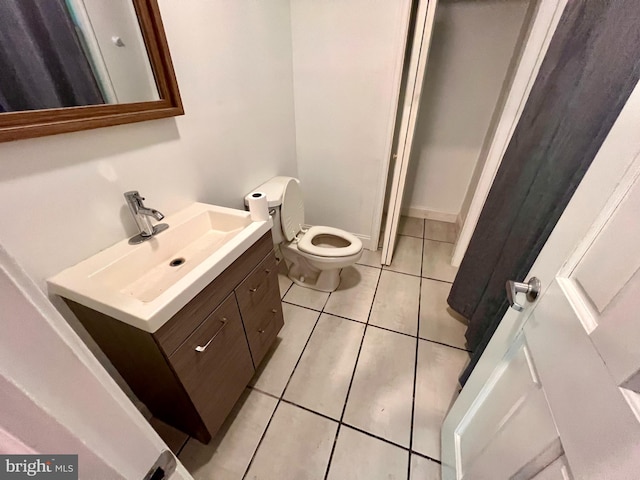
[274, 189]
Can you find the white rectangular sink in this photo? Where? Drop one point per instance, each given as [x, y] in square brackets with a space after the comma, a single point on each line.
[145, 285]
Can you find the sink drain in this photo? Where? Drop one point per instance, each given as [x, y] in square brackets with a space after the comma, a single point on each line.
[176, 262]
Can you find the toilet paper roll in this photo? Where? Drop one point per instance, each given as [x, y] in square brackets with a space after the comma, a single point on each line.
[258, 206]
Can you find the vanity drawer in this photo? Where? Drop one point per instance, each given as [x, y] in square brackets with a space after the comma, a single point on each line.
[171, 335]
[256, 287]
[261, 308]
[264, 324]
[214, 364]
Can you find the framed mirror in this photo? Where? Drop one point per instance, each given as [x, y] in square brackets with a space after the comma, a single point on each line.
[69, 65]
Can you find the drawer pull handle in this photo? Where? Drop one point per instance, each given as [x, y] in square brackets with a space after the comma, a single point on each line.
[202, 349]
[267, 271]
[274, 310]
[253, 289]
[262, 330]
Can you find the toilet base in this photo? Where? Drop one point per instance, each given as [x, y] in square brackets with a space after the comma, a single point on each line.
[322, 274]
[322, 280]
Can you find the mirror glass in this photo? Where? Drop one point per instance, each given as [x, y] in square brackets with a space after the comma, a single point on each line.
[69, 53]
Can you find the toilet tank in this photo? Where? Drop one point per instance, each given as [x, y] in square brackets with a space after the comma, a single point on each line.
[274, 190]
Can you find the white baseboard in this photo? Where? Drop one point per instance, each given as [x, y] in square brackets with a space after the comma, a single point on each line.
[367, 242]
[430, 214]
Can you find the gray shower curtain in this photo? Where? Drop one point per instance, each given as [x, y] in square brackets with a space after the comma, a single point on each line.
[591, 67]
[42, 62]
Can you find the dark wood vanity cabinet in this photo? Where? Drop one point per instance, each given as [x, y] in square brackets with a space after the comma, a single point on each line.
[192, 371]
[214, 364]
[259, 300]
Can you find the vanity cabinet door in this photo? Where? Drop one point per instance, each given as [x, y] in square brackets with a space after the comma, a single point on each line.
[259, 300]
[214, 364]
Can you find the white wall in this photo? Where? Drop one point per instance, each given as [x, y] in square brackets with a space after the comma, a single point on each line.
[472, 46]
[61, 196]
[347, 60]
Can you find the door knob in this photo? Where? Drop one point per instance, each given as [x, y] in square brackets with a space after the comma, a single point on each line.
[531, 288]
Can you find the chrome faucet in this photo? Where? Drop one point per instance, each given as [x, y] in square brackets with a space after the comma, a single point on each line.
[142, 216]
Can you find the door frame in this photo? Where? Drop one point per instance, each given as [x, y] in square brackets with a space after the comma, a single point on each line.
[416, 69]
[614, 168]
[533, 50]
[542, 26]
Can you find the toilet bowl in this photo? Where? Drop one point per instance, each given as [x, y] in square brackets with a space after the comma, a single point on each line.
[314, 255]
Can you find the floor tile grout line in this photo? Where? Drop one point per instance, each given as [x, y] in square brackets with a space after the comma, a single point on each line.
[412, 236]
[378, 326]
[321, 309]
[427, 457]
[415, 359]
[284, 390]
[439, 241]
[341, 421]
[322, 312]
[252, 387]
[372, 435]
[445, 344]
[437, 280]
[348, 425]
[253, 456]
[326, 417]
[424, 234]
[387, 268]
[288, 288]
[389, 442]
[353, 374]
[367, 265]
[289, 302]
[391, 330]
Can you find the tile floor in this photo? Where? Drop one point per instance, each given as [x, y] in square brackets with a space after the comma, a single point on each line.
[360, 379]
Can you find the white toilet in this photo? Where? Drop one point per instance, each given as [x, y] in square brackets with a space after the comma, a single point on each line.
[315, 255]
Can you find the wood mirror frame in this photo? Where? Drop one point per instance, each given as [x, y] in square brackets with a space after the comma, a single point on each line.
[38, 123]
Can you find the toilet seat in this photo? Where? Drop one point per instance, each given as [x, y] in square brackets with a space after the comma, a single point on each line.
[292, 210]
[306, 244]
[292, 220]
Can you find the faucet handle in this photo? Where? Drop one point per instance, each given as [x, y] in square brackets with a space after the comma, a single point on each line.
[133, 195]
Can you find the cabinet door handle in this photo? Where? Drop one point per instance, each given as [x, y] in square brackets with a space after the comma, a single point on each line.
[262, 330]
[224, 324]
[267, 271]
[253, 289]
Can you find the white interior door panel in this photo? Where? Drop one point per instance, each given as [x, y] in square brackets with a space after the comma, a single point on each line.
[580, 341]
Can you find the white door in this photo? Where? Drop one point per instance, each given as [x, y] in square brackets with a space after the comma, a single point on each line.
[556, 394]
[57, 399]
[410, 105]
